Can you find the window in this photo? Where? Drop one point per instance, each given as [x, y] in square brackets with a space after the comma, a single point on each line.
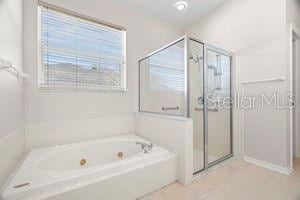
[78, 53]
[166, 69]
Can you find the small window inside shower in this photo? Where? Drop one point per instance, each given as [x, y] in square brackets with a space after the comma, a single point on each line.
[162, 81]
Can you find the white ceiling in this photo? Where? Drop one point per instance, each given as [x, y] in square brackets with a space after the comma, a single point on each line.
[164, 9]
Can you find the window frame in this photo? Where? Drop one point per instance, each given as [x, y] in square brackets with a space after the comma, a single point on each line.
[123, 85]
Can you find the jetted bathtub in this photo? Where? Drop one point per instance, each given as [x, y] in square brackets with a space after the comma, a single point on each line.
[108, 169]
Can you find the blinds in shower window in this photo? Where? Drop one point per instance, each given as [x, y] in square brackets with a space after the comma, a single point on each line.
[166, 71]
[79, 54]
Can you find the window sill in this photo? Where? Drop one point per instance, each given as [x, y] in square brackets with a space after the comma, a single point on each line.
[61, 90]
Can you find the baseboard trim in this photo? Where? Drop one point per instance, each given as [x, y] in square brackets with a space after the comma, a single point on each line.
[276, 168]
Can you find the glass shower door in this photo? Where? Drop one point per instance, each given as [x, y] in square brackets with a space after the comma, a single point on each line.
[219, 107]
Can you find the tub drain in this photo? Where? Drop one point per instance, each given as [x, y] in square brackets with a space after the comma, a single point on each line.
[82, 162]
[21, 185]
[120, 154]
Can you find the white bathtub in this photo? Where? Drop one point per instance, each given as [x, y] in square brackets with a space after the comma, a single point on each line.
[56, 172]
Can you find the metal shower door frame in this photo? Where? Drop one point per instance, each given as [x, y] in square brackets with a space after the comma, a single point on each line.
[206, 47]
[224, 53]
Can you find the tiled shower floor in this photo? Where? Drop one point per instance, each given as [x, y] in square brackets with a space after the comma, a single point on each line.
[235, 180]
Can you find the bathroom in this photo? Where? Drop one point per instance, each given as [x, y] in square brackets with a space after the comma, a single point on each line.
[137, 99]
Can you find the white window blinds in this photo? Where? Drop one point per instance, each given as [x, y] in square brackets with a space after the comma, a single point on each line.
[166, 71]
[79, 54]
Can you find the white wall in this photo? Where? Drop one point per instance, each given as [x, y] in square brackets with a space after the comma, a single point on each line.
[235, 26]
[144, 34]
[255, 31]
[11, 90]
[54, 133]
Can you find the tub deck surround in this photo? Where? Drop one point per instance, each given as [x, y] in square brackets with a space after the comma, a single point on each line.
[172, 132]
[55, 170]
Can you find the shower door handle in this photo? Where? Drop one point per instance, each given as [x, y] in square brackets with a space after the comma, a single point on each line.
[170, 108]
[209, 109]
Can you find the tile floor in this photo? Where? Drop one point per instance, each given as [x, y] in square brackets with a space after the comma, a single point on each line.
[235, 180]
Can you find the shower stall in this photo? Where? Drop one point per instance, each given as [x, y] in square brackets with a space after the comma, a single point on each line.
[192, 79]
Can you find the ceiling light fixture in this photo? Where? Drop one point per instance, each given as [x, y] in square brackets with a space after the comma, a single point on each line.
[181, 5]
